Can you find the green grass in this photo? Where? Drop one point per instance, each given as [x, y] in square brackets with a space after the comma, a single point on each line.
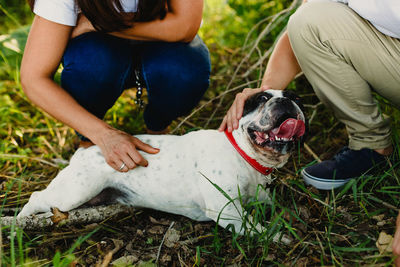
[338, 227]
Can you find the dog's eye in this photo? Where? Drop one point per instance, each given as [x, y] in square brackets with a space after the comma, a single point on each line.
[264, 97]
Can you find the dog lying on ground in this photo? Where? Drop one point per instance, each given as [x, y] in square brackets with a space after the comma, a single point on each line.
[190, 172]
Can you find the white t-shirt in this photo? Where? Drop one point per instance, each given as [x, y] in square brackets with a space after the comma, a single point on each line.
[383, 14]
[66, 11]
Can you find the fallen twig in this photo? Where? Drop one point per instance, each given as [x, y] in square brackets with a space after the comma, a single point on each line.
[210, 101]
[45, 130]
[162, 242]
[194, 240]
[14, 156]
[108, 257]
[77, 216]
[309, 150]
[307, 196]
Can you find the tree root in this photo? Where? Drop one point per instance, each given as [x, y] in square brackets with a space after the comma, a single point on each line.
[73, 217]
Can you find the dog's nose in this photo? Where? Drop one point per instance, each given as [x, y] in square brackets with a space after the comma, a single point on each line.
[283, 108]
[283, 101]
[284, 104]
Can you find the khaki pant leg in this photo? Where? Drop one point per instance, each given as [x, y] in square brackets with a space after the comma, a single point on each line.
[344, 58]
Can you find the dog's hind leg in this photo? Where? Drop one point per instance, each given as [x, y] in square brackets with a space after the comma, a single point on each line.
[76, 184]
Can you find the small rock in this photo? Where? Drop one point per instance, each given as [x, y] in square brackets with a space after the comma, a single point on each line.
[382, 223]
[171, 238]
[384, 243]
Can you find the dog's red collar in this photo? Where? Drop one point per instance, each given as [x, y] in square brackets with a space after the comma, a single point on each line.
[262, 169]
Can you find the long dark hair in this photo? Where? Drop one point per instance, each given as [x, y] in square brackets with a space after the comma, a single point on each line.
[105, 15]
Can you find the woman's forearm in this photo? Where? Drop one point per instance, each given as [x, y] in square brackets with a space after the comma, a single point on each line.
[181, 24]
[50, 97]
[43, 51]
[282, 66]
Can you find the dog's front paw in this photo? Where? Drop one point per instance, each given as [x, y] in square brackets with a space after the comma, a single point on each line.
[26, 211]
[34, 205]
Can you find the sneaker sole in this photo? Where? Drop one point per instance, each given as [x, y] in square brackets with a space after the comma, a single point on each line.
[323, 184]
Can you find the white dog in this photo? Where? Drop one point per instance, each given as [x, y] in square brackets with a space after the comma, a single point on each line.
[190, 172]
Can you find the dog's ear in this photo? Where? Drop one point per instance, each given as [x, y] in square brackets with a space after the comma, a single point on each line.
[254, 101]
[295, 98]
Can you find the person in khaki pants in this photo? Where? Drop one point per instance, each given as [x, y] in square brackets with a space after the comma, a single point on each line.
[346, 50]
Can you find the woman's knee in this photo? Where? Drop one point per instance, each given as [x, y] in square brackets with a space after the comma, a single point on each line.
[177, 65]
[95, 69]
[97, 57]
[177, 75]
[174, 97]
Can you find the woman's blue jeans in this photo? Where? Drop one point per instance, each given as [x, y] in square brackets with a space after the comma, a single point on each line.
[99, 67]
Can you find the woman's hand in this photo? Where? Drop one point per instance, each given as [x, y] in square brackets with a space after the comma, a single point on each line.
[83, 25]
[121, 150]
[232, 117]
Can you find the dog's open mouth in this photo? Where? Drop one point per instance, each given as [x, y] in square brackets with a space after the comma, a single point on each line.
[288, 131]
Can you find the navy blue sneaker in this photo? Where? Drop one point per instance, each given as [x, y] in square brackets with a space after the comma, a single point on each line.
[345, 165]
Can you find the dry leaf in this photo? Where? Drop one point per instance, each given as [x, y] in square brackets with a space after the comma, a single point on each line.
[58, 216]
[165, 258]
[384, 243]
[378, 218]
[125, 261]
[156, 230]
[304, 213]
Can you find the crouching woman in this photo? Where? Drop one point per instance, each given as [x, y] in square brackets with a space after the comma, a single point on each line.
[105, 47]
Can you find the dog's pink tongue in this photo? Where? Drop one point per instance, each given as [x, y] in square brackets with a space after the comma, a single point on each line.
[290, 128]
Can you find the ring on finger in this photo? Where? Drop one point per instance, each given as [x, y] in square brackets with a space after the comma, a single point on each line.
[122, 166]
